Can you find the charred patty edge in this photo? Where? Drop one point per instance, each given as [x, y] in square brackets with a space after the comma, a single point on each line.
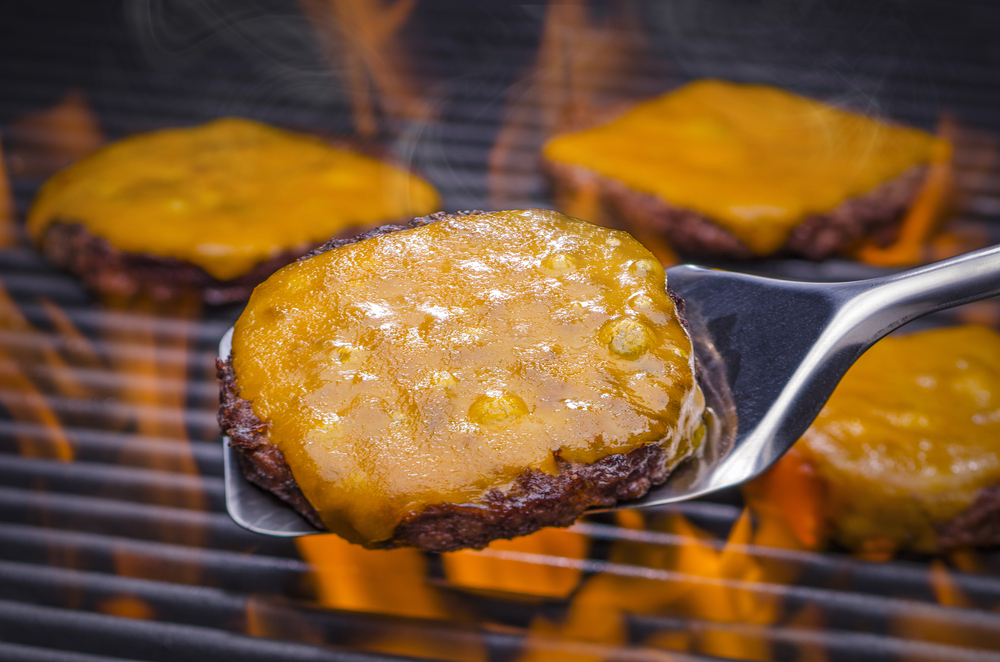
[876, 213]
[534, 500]
[103, 268]
[976, 526]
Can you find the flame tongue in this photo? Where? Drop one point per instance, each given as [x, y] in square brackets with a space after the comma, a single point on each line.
[50, 140]
[577, 79]
[363, 42]
[18, 392]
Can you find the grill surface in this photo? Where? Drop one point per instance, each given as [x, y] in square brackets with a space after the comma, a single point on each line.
[126, 552]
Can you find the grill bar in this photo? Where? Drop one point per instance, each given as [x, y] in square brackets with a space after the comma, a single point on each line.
[112, 447]
[79, 411]
[18, 653]
[19, 341]
[104, 382]
[229, 570]
[859, 646]
[213, 608]
[153, 640]
[121, 483]
[898, 578]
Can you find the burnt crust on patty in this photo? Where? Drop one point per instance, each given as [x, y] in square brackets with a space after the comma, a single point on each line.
[103, 268]
[876, 213]
[977, 526]
[535, 499]
[261, 462]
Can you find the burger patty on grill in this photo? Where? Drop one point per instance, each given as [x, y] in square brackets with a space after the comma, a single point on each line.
[876, 214]
[204, 210]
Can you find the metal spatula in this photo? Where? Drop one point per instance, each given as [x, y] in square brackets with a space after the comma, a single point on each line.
[771, 353]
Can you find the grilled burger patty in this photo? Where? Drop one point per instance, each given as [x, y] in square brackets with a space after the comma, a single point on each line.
[905, 449]
[207, 208]
[536, 496]
[726, 170]
[977, 526]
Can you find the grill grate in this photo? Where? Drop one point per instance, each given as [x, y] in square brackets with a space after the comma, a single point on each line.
[126, 552]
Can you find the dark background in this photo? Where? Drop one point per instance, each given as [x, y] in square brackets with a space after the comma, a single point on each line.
[149, 63]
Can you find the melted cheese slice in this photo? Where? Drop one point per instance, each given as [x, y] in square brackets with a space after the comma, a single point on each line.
[227, 195]
[910, 436]
[754, 159]
[439, 363]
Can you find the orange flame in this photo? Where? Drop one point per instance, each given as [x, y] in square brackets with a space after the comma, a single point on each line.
[78, 348]
[929, 627]
[702, 581]
[47, 141]
[918, 240]
[722, 603]
[790, 498]
[532, 565]
[154, 362]
[277, 618]
[351, 577]
[148, 364]
[809, 617]
[966, 560]
[387, 582]
[21, 396]
[126, 606]
[576, 79]
[945, 589]
[264, 619]
[790, 495]
[35, 356]
[363, 44]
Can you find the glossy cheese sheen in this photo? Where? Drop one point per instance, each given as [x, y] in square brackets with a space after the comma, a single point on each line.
[910, 436]
[435, 364]
[754, 159]
[227, 195]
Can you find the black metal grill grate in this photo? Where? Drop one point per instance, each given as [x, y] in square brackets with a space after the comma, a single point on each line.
[126, 552]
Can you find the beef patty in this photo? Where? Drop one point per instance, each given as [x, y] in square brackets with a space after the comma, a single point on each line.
[204, 209]
[876, 214]
[727, 170]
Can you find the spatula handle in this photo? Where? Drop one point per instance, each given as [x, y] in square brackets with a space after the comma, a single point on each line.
[888, 303]
[863, 312]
